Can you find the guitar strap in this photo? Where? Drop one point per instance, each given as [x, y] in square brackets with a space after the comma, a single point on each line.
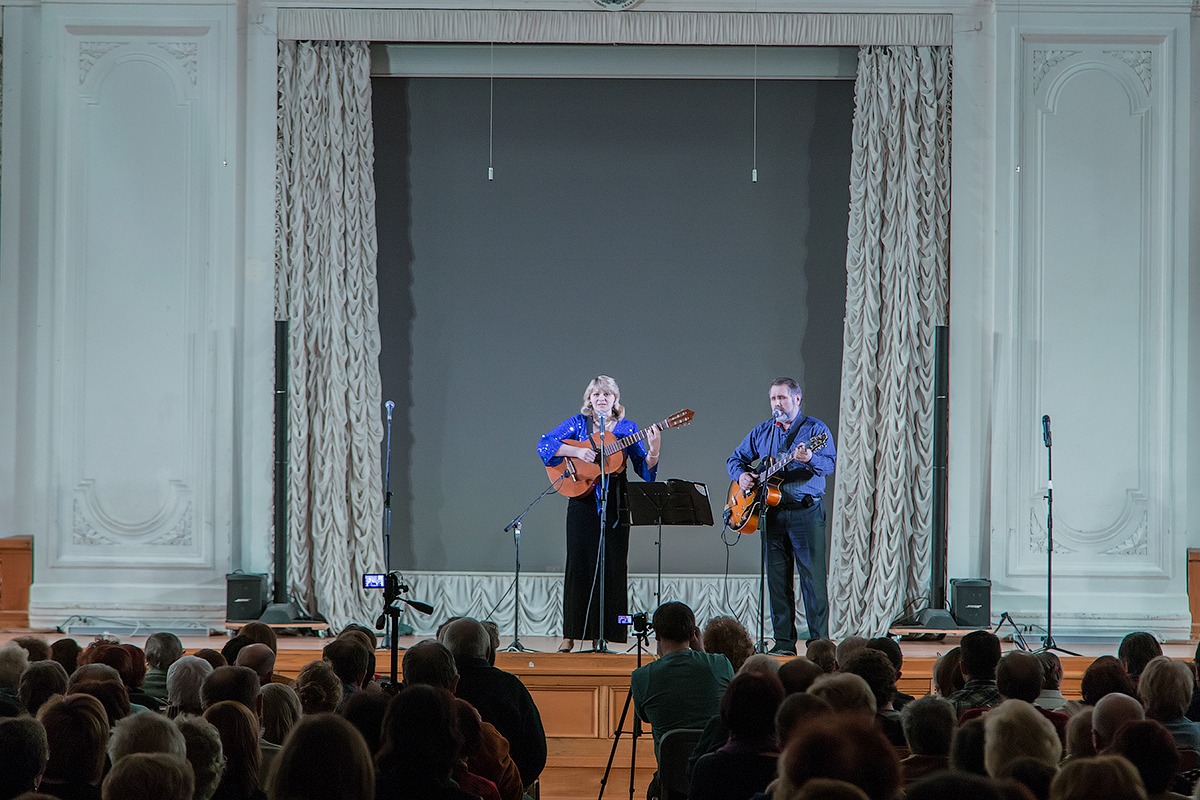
[792, 433]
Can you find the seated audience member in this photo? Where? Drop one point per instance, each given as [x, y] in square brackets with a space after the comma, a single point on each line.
[797, 674]
[350, 660]
[848, 647]
[325, 758]
[966, 748]
[1032, 773]
[759, 664]
[234, 646]
[239, 684]
[891, 648]
[319, 688]
[23, 755]
[262, 633]
[111, 694]
[1103, 676]
[1165, 689]
[715, 733]
[1109, 714]
[149, 776]
[980, 652]
[1151, 749]
[1051, 697]
[1107, 777]
[66, 652]
[725, 635]
[365, 711]
[828, 789]
[213, 657]
[1020, 676]
[947, 673]
[367, 640]
[238, 728]
[13, 662]
[1080, 742]
[470, 726]
[1136, 651]
[40, 681]
[112, 654]
[35, 646]
[421, 743]
[162, 650]
[955, 786]
[929, 724]
[76, 733]
[796, 711]
[280, 711]
[145, 733]
[845, 693]
[204, 753]
[184, 678]
[823, 653]
[92, 672]
[1193, 712]
[137, 676]
[845, 749]
[499, 697]
[261, 659]
[746, 763]
[1015, 729]
[875, 668]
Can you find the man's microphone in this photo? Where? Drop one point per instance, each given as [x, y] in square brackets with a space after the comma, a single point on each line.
[779, 416]
[1046, 429]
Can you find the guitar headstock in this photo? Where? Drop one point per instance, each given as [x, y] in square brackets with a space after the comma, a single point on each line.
[677, 419]
[815, 443]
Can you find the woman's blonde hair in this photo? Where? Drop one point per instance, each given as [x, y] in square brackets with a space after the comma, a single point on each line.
[609, 385]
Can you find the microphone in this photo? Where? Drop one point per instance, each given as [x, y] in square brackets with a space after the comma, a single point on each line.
[389, 405]
[778, 415]
[600, 417]
[1046, 429]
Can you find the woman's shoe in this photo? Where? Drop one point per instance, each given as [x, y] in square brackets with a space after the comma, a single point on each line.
[567, 646]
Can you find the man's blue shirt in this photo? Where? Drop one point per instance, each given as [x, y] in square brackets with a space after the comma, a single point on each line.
[799, 479]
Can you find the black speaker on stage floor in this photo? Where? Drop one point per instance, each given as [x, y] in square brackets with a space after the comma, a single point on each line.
[245, 596]
[971, 602]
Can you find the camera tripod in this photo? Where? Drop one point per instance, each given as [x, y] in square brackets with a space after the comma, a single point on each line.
[641, 637]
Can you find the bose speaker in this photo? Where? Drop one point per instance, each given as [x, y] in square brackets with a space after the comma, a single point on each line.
[971, 602]
[245, 596]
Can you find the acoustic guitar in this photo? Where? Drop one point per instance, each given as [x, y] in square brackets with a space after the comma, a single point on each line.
[578, 476]
[742, 508]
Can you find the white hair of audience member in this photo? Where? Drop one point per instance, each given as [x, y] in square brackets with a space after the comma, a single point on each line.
[467, 638]
[163, 649]
[760, 664]
[92, 672]
[145, 733]
[149, 776]
[280, 711]
[845, 692]
[184, 679]
[13, 661]
[204, 753]
[929, 724]
[1110, 713]
[1015, 729]
[1165, 688]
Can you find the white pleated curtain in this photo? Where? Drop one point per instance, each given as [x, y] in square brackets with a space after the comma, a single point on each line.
[897, 292]
[325, 287]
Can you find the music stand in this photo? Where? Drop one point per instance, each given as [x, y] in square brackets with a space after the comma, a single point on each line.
[675, 502]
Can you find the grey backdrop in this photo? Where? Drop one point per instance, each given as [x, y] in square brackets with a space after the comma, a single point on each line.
[622, 235]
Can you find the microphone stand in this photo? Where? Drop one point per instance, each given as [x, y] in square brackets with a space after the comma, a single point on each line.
[515, 527]
[387, 491]
[1048, 642]
[601, 643]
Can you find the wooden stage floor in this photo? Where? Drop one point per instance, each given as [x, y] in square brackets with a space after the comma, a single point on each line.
[581, 695]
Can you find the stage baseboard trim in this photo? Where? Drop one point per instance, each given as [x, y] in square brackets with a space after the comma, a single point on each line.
[50, 605]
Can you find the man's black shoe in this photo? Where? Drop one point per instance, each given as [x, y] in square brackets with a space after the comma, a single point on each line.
[782, 650]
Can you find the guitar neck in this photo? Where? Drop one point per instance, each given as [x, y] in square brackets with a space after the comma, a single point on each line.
[633, 438]
[777, 466]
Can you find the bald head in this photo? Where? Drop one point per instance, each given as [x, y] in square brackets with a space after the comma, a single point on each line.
[1111, 712]
[467, 638]
[260, 658]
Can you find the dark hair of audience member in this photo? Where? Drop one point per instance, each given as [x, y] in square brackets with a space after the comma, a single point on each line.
[493, 632]
[137, 666]
[674, 622]
[1104, 676]
[829, 789]
[1051, 670]
[795, 711]
[1032, 773]
[234, 646]
[929, 724]
[430, 662]
[823, 653]
[230, 683]
[725, 635]
[76, 733]
[163, 649]
[1107, 777]
[66, 652]
[1136, 650]
[111, 654]
[324, 758]
[318, 688]
[980, 651]
[890, 648]
[421, 739]
[966, 748]
[350, 659]
[947, 673]
[36, 646]
[23, 755]
[112, 695]
[149, 776]
[1079, 734]
[280, 711]
[39, 682]
[262, 633]
[1019, 676]
[953, 786]
[797, 674]
[874, 668]
[748, 708]
[238, 729]
[1151, 749]
[212, 657]
[365, 711]
[843, 748]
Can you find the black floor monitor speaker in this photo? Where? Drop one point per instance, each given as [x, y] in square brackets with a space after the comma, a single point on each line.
[245, 596]
[971, 602]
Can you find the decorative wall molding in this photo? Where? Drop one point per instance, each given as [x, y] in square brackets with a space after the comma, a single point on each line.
[1046, 60]
[183, 52]
[1138, 60]
[91, 52]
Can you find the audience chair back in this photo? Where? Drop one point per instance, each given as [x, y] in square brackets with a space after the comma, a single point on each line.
[674, 750]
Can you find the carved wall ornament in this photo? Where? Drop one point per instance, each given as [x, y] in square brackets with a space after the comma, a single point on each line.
[91, 52]
[84, 533]
[1037, 535]
[1046, 60]
[1138, 60]
[1138, 542]
[183, 52]
[180, 534]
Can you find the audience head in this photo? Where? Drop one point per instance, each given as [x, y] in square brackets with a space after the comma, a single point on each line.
[1165, 689]
[137, 669]
[1109, 714]
[262, 633]
[493, 631]
[145, 733]
[760, 664]
[85, 673]
[1104, 676]
[1136, 651]
[748, 707]
[363, 629]
[350, 659]
[421, 740]
[430, 662]
[204, 753]
[929, 724]
[470, 727]
[324, 758]
[185, 677]
[318, 687]
[966, 748]
[466, 638]
[66, 652]
[365, 711]
[76, 733]
[1015, 729]
[40, 681]
[1151, 749]
[234, 646]
[1052, 670]
[23, 755]
[260, 658]
[845, 693]
[112, 654]
[238, 728]
[875, 668]
[280, 711]
[163, 649]
[954, 786]
[1032, 773]
[1019, 676]
[796, 710]
[848, 647]
[674, 622]
[1080, 742]
[13, 661]
[980, 651]
[239, 684]
[846, 749]
[35, 646]
[1109, 777]
[947, 672]
[149, 776]
[797, 674]
[368, 643]
[890, 648]
[111, 694]
[725, 635]
[829, 789]
[213, 657]
[823, 653]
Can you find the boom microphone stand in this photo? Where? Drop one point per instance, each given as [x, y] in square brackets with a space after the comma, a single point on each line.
[1048, 642]
[515, 527]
